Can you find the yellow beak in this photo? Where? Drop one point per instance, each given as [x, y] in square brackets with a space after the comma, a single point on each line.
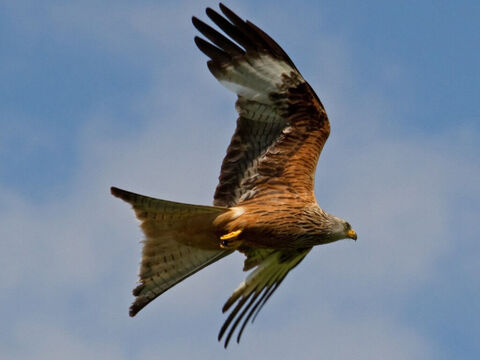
[352, 234]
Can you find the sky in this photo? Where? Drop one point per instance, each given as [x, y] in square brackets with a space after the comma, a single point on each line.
[102, 93]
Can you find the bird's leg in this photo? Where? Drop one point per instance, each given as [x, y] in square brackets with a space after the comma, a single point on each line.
[230, 241]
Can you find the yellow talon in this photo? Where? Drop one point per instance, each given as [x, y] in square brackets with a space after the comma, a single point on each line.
[230, 235]
[227, 243]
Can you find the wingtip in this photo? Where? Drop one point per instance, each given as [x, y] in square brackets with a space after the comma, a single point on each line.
[210, 12]
[222, 6]
[227, 305]
[219, 338]
[195, 21]
[228, 13]
[200, 43]
[198, 40]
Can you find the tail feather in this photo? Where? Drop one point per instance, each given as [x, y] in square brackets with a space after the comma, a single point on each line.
[180, 240]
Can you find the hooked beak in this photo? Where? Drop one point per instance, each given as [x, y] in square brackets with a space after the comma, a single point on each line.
[352, 234]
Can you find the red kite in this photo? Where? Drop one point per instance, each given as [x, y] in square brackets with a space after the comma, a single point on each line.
[264, 204]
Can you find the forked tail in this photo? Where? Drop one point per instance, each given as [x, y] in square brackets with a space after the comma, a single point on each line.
[180, 240]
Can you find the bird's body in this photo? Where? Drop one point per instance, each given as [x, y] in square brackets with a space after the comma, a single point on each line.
[278, 224]
[264, 204]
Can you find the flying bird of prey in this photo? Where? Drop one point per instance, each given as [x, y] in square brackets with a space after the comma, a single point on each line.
[264, 204]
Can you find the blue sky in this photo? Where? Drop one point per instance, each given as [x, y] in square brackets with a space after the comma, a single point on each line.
[94, 94]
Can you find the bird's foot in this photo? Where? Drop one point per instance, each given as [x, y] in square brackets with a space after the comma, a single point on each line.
[230, 241]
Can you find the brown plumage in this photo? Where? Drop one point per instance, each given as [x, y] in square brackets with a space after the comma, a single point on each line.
[264, 204]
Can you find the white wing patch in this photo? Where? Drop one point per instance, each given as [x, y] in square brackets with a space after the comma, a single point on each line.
[256, 78]
[271, 68]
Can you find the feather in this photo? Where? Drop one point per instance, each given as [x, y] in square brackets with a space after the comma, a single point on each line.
[180, 240]
[271, 268]
[270, 89]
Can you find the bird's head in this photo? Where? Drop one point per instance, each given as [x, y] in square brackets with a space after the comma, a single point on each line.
[341, 229]
[349, 232]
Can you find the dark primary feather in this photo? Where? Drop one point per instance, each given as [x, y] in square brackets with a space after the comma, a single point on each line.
[230, 29]
[272, 267]
[215, 37]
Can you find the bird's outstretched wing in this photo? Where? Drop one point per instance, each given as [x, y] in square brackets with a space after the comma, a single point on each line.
[271, 268]
[282, 125]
